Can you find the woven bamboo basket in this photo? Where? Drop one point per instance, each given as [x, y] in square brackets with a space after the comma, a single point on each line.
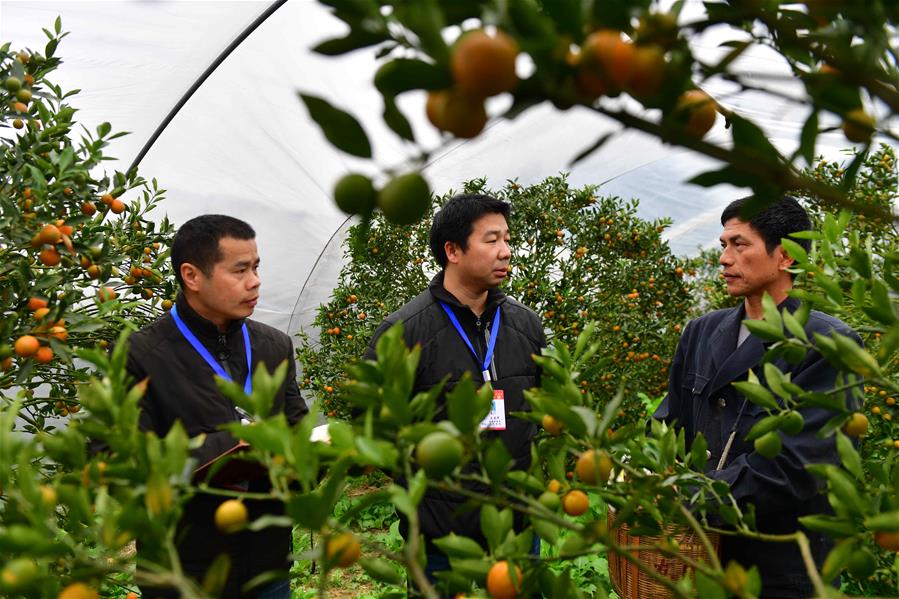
[632, 583]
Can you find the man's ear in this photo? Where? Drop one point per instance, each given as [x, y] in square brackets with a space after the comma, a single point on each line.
[190, 274]
[784, 259]
[453, 251]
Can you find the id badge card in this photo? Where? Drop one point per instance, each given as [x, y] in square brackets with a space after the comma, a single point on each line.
[496, 419]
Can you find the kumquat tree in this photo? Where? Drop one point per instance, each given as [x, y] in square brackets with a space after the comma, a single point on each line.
[81, 266]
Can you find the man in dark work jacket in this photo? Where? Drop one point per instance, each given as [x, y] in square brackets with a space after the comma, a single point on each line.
[470, 240]
[716, 350]
[215, 260]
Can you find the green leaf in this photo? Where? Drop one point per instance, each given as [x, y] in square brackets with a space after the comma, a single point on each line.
[765, 425]
[708, 588]
[406, 74]
[754, 582]
[737, 49]
[396, 120]
[65, 159]
[565, 15]
[849, 456]
[495, 524]
[775, 380]
[881, 308]
[757, 394]
[354, 40]
[216, 574]
[851, 171]
[772, 314]
[418, 485]
[856, 358]
[698, 455]
[591, 148]
[460, 405]
[309, 510]
[473, 569]
[339, 127]
[377, 452]
[454, 545]
[845, 489]
[885, 521]
[382, 570]
[752, 141]
[765, 330]
[794, 327]
[837, 560]
[794, 250]
[497, 461]
[534, 29]
[400, 499]
[832, 526]
[425, 19]
[835, 423]
[808, 137]
[547, 531]
[728, 175]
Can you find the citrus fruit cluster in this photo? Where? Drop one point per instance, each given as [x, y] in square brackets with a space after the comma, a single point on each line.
[403, 200]
[482, 65]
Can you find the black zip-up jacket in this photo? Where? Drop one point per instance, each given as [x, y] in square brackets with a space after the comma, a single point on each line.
[702, 398]
[443, 352]
[181, 387]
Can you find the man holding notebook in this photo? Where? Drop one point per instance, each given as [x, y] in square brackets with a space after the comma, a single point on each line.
[208, 333]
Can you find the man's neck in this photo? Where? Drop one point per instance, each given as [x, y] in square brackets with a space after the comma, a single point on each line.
[473, 297]
[753, 304]
[220, 323]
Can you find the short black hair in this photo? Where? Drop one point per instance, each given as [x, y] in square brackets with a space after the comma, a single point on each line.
[455, 221]
[197, 241]
[774, 222]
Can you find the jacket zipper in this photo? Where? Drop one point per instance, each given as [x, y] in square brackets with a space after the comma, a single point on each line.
[223, 354]
[486, 336]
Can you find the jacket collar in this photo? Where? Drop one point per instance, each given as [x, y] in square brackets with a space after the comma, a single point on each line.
[728, 367]
[495, 296]
[200, 326]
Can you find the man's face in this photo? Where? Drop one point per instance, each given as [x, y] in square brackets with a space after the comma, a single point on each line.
[749, 270]
[230, 292]
[485, 264]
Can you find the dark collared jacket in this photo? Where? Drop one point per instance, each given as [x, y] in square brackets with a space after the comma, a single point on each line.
[181, 387]
[443, 352]
[701, 399]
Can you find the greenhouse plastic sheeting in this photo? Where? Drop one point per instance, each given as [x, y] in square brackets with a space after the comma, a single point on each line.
[244, 144]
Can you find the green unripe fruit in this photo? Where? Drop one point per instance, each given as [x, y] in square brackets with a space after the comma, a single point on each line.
[405, 199]
[861, 564]
[355, 194]
[792, 423]
[768, 445]
[12, 84]
[24, 96]
[18, 574]
[438, 454]
[550, 501]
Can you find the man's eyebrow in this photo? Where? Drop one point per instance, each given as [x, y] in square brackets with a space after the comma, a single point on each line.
[243, 263]
[496, 232]
[734, 237]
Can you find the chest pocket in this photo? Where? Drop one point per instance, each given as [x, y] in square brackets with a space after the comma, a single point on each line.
[695, 384]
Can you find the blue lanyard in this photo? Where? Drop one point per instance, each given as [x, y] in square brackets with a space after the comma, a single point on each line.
[213, 363]
[491, 345]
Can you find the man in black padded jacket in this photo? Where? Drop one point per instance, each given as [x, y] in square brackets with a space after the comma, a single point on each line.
[465, 324]
[208, 332]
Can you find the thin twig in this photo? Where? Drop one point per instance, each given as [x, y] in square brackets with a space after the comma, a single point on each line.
[704, 539]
